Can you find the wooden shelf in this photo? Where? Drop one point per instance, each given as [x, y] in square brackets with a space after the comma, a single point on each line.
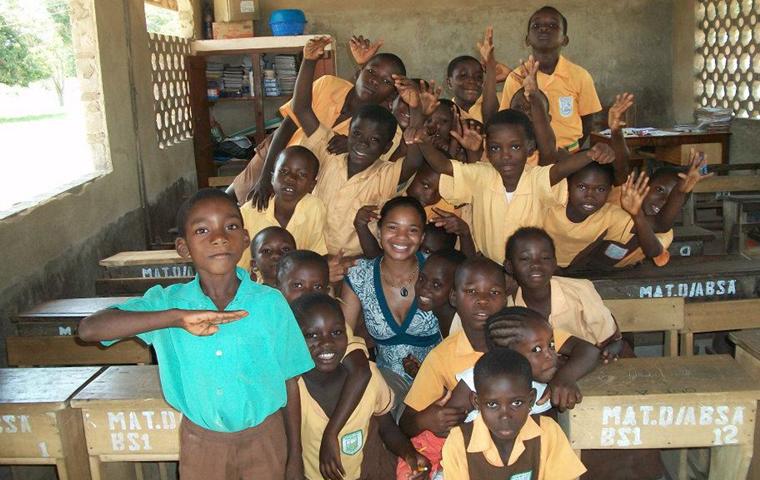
[249, 45]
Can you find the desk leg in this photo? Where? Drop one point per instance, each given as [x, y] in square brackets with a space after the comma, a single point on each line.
[730, 461]
[74, 463]
[163, 474]
[95, 465]
[60, 468]
[730, 212]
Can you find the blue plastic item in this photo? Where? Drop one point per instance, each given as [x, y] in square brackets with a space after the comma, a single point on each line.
[287, 22]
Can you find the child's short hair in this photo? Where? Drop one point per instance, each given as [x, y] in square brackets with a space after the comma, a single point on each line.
[501, 362]
[263, 232]
[379, 115]
[521, 94]
[404, 201]
[455, 257]
[300, 257]
[391, 58]
[305, 304]
[665, 172]
[449, 238]
[483, 262]
[512, 117]
[459, 60]
[525, 316]
[308, 154]
[524, 232]
[551, 9]
[199, 196]
[606, 170]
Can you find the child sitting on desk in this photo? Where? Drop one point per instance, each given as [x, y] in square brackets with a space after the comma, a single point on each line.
[210, 333]
[572, 97]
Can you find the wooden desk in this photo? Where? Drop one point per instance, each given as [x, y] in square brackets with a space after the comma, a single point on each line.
[148, 264]
[35, 426]
[667, 145]
[706, 278]
[47, 336]
[126, 418]
[747, 349]
[682, 402]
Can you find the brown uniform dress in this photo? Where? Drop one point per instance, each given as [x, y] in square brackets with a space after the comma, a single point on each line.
[525, 468]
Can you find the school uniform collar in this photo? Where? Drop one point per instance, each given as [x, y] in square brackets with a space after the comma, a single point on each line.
[193, 292]
[558, 301]
[364, 174]
[294, 218]
[563, 68]
[463, 347]
[481, 441]
[524, 185]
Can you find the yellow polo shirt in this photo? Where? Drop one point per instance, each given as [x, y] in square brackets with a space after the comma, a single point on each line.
[307, 225]
[475, 112]
[377, 400]
[637, 255]
[438, 372]
[557, 460]
[608, 223]
[494, 218]
[577, 309]
[571, 93]
[344, 196]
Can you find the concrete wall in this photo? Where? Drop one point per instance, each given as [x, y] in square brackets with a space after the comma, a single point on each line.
[52, 251]
[625, 45]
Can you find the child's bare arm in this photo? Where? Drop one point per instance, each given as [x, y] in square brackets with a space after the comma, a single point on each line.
[490, 102]
[437, 160]
[546, 142]
[399, 444]
[616, 121]
[357, 365]
[294, 467]
[302, 108]
[436, 418]
[453, 223]
[587, 121]
[600, 153]
[114, 324]
[666, 218]
[631, 198]
[368, 242]
[582, 358]
[410, 94]
[469, 134]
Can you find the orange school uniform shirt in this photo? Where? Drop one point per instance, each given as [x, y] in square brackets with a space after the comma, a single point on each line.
[556, 460]
[636, 255]
[475, 112]
[577, 309]
[571, 93]
[608, 223]
[495, 217]
[344, 196]
[307, 225]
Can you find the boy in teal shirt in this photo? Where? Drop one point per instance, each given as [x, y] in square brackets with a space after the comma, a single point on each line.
[229, 352]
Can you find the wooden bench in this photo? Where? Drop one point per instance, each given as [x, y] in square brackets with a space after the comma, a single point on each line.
[724, 316]
[689, 241]
[651, 315]
[148, 264]
[36, 427]
[47, 337]
[126, 418]
[679, 402]
[748, 356]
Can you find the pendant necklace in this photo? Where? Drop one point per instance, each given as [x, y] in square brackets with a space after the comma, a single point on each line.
[403, 290]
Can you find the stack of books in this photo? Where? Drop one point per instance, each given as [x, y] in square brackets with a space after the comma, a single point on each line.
[286, 69]
[713, 119]
[234, 77]
[271, 87]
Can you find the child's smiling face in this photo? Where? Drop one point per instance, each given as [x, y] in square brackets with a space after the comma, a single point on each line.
[532, 262]
[367, 141]
[324, 330]
[434, 283]
[375, 81]
[214, 236]
[587, 192]
[659, 191]
[466, 80]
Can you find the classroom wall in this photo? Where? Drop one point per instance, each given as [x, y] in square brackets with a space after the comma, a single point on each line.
[625, 45]
[52, 251]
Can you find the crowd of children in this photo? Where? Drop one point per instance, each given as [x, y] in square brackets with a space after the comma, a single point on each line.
[381, 222]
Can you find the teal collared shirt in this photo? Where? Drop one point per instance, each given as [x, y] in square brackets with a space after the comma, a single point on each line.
[234, 379]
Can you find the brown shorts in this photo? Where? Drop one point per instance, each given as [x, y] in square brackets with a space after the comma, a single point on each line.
[258, 452]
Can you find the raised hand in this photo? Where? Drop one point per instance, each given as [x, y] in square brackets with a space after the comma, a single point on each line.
[338, 144]
[315, 48]
[450, 222]
[601, 153]
[206, 322]
[261, 192]
[616, 114]
[416, 135]
[439, 419]
[407, 90]
[366, 215]
[419, 464]
[486, 49]
[362, 49]
[565, 394]
[470, 138]
[338, 266]
[697, 164]
[429, 94]
[530, 80]
[632, 193]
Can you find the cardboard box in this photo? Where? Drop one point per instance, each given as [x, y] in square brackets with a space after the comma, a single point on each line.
[227, 30]
[235, 10]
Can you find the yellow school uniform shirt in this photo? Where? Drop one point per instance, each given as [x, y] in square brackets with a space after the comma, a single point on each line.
[608, 223]
[377, 400]
[344, 196]
[475, 112]
[571, 93]
[307, 225]
[637, 255]
[577, 309]
[557, 461]
[494, 218]
[560, 336]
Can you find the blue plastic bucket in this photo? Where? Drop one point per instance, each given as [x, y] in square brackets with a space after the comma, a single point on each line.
[287, 22]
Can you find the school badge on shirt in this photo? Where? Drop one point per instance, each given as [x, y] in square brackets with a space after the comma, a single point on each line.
[565, 106]
[522, 476]
[351, 443]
